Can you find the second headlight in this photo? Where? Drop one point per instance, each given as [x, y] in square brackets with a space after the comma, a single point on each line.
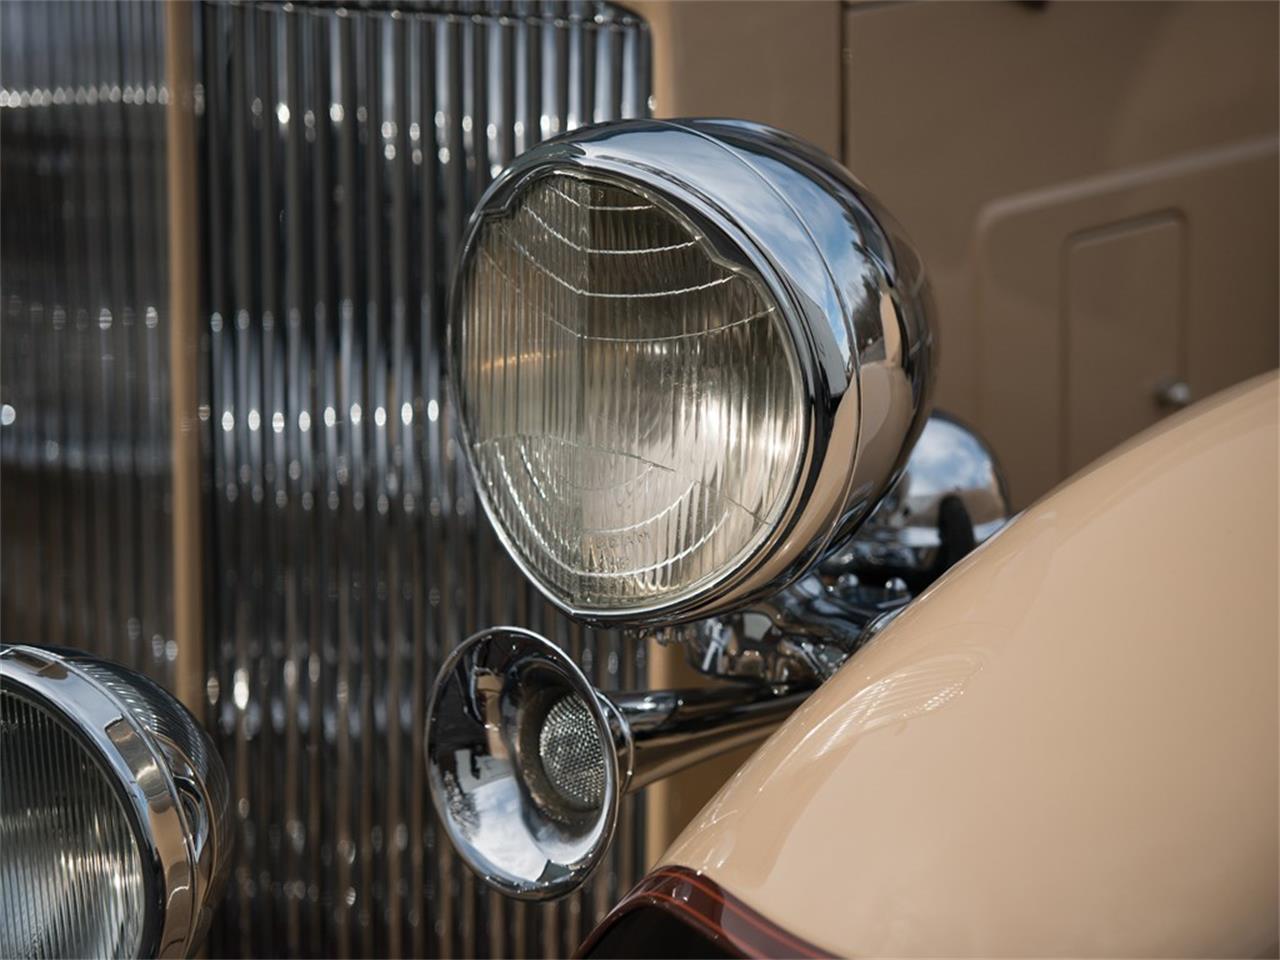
[687, 356]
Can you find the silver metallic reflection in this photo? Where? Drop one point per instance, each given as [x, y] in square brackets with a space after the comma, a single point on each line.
[530, 818]
[71, 876]
[951, 497]
[797, 638]
[172, 792]
[85, 462]
[342, 147]
[856, 307]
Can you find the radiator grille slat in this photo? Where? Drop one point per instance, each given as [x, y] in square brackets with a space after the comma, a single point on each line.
[84, 419]
[342, 154]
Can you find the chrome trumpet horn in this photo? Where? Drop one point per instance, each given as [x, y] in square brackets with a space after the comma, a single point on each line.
[528, 762]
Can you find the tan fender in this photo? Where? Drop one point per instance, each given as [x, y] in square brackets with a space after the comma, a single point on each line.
[1068, 746]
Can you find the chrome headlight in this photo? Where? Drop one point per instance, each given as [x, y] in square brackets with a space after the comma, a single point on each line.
[113, 812]
[688, 356]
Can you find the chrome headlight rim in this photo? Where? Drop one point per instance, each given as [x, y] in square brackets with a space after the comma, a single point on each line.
[828, 495]
[113, 769]
[142, 770]
[731, 244]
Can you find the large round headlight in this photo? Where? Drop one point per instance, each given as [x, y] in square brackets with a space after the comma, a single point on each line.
[688, 355]
[113, 812]
[634, 403]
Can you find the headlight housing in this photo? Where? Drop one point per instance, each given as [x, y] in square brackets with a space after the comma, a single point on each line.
[689, 356]
[113, 812]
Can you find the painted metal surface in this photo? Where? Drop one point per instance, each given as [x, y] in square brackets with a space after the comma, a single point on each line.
[718, 923]
[1097, 224]
[1068, 746]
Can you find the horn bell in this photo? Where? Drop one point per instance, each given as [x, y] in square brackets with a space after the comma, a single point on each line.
[522, 762]
[528, 763]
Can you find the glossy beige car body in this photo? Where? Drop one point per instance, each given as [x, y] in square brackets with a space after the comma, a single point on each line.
[1068, 746]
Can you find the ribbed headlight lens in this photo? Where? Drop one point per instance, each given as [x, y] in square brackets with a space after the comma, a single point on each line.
[632, 400]
[113, 812]
[689, 357]
[86, 896]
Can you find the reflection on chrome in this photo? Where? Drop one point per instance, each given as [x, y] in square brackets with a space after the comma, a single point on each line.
[487, 773]
[302, 322]
[639, 481]
[500, 786]
[119, 774]
[951, 497]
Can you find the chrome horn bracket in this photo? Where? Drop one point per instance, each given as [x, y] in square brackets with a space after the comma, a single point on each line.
[798, 638]
[528, 762]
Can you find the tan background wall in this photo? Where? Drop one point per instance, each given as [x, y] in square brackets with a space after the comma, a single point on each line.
[1093, 188]
[769, 61]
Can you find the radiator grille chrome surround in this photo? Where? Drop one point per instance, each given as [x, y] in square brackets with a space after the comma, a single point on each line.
[852, 299]
[342, 152]
[122, 821]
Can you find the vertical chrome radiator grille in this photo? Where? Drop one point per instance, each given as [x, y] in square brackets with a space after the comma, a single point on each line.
[84, 395]
[342, 151]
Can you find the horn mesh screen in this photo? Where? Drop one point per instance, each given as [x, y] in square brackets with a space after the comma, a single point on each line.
[71, 880]
[571, 753]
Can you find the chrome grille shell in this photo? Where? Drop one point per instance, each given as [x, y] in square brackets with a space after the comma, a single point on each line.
[342, 154]
[323, 625]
